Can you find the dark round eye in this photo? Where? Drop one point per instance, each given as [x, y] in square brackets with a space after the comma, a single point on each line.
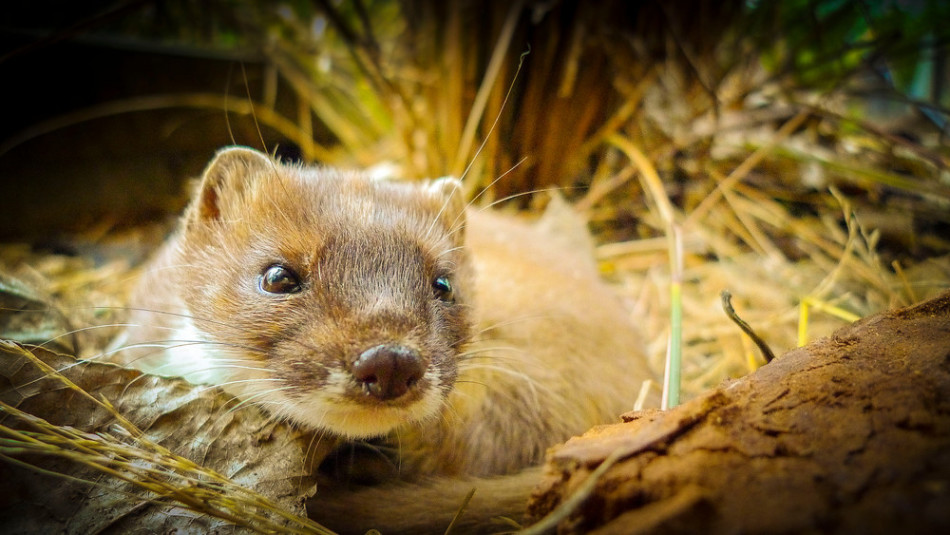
[278, 279]
[443, 289]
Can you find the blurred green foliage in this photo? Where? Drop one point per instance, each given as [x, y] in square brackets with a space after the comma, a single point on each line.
[824, 42]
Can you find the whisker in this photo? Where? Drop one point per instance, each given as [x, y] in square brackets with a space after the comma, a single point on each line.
[192, 374]
[501, 354]
[247, 88]
[252, 398]
[193, 318]
[469, 382]
[450, 251]
[445, 204]
[85, 329]
[498, 116]
[456, 225]
[398, 451]
[507, 371]
[239, 381]
[313, 447]
[159, 345]
[522, 194]
[172, 344]
[494, 336]
[250, 381]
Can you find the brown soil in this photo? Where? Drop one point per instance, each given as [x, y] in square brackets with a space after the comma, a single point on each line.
[850, 434]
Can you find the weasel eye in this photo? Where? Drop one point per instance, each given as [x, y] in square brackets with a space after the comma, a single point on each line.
[443, 289]
[278, 279]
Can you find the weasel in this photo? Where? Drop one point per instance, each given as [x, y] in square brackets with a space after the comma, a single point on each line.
[468, 340]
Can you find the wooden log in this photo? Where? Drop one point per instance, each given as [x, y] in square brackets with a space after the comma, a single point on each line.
[850, 434]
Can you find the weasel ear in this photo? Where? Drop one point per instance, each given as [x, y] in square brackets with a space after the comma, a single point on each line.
[450, 195]
[224, 181]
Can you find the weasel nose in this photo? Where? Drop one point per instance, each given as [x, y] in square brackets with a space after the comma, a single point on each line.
[388, 371]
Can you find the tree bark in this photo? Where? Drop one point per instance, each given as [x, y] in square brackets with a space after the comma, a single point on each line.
[850, 434]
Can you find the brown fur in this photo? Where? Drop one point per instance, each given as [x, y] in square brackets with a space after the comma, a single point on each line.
[533, 349]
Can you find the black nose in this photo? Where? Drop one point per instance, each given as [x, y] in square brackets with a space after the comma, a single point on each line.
[388, 371]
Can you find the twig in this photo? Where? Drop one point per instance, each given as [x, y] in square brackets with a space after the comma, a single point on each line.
[746, 328]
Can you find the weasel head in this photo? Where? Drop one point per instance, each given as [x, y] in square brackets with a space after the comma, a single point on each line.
[331, 299]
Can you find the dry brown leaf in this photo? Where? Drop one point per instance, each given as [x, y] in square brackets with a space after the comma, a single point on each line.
[27, 315]
[235, 446]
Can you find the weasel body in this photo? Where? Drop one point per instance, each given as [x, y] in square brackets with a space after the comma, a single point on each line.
[367, 308]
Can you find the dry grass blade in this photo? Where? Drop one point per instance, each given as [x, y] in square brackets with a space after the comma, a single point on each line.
[653, 184]
[747, 165]
[581, 493]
